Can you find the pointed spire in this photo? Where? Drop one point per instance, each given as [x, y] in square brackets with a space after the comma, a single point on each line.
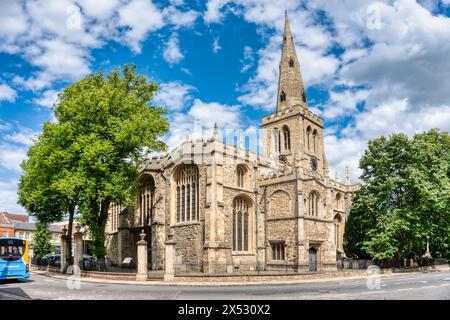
[215, 130]
[290, 84]
[347, 176]
[336, 177]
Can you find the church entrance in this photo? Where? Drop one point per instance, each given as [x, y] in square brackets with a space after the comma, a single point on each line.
[312, 259]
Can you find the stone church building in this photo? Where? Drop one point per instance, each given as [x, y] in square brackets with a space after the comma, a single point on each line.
[229, 209]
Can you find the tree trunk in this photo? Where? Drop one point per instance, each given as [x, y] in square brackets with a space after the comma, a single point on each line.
[69, 236]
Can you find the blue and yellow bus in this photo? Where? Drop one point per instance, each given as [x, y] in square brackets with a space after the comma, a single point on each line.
[14, 259]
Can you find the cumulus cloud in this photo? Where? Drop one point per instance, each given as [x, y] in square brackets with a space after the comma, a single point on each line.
[7, 93]
[172, 53]
[141, 17]
[47, 99]
[8, 196]
[173, 95]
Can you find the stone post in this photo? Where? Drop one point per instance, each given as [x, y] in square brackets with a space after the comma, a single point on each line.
[169, 272]
[64, 250]
[142, 267]
[78, 247]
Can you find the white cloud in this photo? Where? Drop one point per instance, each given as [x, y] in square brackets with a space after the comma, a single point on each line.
[212, 112]
[11, 156]
[248, 60]
[343, 103]
[180, 18]
[100, 9]
[141, 16]
[8, 196]
[172, 53]
[173, 95]
[48, 98]
[7, 93]
[216, 46]
[24, 136]
[13, 21]
[213, 8]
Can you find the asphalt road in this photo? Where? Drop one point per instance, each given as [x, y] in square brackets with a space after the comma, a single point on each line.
[431, 285]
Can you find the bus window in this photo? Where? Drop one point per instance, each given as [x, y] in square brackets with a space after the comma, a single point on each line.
[11, 249]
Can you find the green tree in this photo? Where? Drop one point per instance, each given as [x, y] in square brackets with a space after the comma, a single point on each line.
[110, 125]
[41, 241]
[50, 187]
[404, 197]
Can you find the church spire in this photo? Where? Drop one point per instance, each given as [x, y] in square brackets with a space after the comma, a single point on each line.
[290, 84]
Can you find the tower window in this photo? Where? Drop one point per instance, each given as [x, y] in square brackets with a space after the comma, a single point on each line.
[240, 175]
[291, 63]
[282, 96]
[287, 138]
[314, 204]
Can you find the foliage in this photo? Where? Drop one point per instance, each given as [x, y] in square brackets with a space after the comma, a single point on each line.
[110, 126]
[405, 198]
[41, 241]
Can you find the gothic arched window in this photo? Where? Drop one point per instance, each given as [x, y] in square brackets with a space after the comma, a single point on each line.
[314, 204]
[308, 138]
[338, 201]
[291, 63]
[287, 138]
[240, 175]
[241, 217]
[315, 141]
[282, 96]
[186, 182]
[146, 199]
[337, 231]
[276, 140]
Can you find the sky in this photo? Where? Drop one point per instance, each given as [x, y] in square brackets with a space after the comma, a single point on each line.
[371, 68]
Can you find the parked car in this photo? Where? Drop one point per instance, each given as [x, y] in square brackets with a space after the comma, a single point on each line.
[88, 262]
[53, 260]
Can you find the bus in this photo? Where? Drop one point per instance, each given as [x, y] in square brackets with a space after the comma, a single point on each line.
[14, 259]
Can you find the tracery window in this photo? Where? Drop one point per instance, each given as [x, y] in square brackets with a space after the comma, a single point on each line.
[240, 224]
[240, 175]
[308, 138]
[314, 204]
[146, 200]
[287, 138]
[315, 141]
[186, 181]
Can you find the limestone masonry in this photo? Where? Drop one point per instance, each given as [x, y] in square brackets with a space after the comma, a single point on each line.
[231, 210]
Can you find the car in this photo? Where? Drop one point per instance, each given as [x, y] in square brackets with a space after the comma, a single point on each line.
[88, 262]
[53, 260]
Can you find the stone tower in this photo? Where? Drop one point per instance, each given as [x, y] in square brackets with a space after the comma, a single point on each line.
[293, 134]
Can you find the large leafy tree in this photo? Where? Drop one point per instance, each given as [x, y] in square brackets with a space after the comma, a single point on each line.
[110, 124]
[50, 187]
[404, 198]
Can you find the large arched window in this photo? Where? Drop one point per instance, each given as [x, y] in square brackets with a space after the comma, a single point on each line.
[146, 199]
[337, 231]
[315, 141]
[240, 175]
[186, 187]
[287, 138]
[308, 138]
[241, 221]
[282, 96]
[115, 212]
[314, 204]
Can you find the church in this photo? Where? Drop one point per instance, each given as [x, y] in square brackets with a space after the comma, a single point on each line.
[229, 209]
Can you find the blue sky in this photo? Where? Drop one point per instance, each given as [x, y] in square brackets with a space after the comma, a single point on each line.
[370, 67]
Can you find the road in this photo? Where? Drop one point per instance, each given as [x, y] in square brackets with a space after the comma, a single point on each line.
[431, 285]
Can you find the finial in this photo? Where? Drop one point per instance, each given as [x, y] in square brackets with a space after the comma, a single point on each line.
[241, 140]
[336, 178]
[347, 175]
[215, 130]
[142, 235]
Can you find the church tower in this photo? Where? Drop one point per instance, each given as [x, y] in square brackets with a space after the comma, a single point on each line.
[293, 134]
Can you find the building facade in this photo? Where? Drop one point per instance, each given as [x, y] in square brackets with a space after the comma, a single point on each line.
[229, 209]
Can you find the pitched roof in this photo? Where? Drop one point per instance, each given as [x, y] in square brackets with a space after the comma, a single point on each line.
[16, 216]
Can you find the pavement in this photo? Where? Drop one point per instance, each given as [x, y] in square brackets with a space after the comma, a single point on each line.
[411, 286]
